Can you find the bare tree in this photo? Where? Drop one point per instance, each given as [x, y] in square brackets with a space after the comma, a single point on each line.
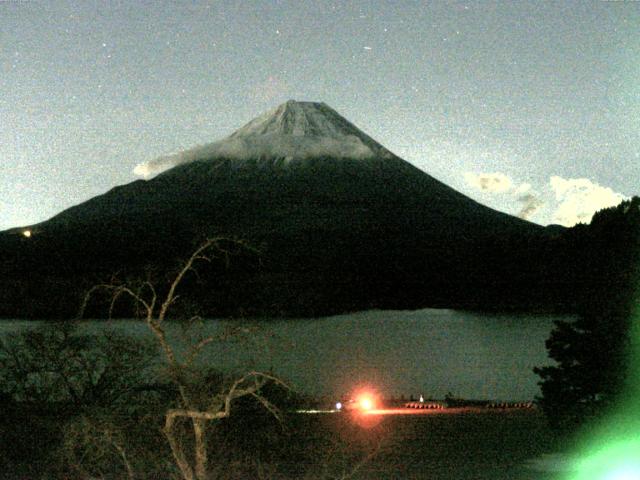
[190, 456]
[82, 405]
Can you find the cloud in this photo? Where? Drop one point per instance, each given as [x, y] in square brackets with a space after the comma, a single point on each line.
[508, 192]
[249, 147]
[146, 169]
[531, 203]
[165, 162]
[489, 182]
[579, 198]
[562, 201]
[523, 188]
[530, 200]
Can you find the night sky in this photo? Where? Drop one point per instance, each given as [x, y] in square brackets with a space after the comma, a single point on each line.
[531, 107]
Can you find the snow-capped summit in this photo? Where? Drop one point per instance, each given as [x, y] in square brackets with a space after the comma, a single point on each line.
[293, 130]
[298, 118]
[307, 119]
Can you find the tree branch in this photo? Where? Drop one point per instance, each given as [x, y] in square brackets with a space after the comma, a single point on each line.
[197, 255]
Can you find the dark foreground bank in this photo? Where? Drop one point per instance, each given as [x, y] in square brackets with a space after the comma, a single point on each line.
[468, 445]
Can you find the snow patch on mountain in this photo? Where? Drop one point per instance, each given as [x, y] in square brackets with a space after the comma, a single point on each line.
[293, 130]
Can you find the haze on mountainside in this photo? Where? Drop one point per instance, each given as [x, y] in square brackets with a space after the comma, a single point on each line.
[342, 224]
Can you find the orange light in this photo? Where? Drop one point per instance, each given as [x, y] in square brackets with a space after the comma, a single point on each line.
[365, 402]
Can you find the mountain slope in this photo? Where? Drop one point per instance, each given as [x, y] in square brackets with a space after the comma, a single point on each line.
[342, 224]
[300, 155]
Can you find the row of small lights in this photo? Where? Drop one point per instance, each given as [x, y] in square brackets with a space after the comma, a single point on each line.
[365, 402]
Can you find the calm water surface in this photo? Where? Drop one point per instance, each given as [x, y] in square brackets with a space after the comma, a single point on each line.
[429, 352]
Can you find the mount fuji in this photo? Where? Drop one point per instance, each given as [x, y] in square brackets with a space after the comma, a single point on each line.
[341, 223]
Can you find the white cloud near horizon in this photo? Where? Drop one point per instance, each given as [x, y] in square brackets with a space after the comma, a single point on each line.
[578, 199]
[523, 188]
[531, 203]
[498, 183]
[563, 201]
[489, 182]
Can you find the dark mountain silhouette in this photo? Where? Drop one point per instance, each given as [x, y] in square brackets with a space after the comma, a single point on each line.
[341, 224]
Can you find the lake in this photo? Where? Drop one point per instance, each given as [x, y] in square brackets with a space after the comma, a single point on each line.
[429, 352]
